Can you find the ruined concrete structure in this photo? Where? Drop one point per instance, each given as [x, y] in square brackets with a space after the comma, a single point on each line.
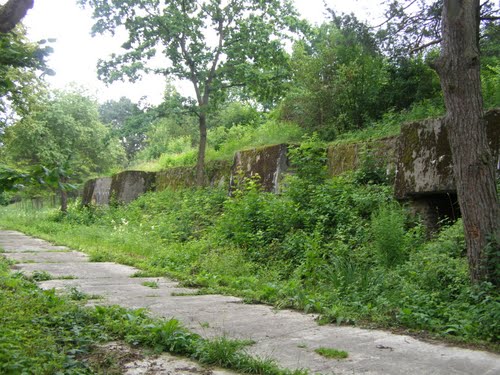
[97, 191]
[419, 158]
[269, 163]
[424, 168]
[217, 174]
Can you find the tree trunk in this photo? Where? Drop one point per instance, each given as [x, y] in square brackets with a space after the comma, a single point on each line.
[64, 201]
[64, 194]
[474, 171]
[12, 12]
[200, 164]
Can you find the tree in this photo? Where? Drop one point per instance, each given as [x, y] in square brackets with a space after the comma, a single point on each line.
[127, 122]
[65, 139]
[459, 70]
[214, 44]
[339, 76]
[457, 26]
[12, 12]
[21, 65]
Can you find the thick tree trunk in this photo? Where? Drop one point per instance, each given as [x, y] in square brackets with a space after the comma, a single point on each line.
[459, 70]
[12, 12]
[200, 164]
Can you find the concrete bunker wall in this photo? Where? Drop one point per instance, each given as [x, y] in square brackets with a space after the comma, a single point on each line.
[129, 185]
[420, 157]
[217, 175]
[350, 156]
[97, 191]
[268, 163]
[424, 170]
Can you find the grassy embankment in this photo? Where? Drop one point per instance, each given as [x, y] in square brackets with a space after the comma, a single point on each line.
[342, 247]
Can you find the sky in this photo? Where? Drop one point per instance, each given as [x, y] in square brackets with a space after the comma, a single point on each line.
[76, 52]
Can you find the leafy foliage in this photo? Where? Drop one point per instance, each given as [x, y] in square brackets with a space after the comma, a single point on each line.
[21, 62]
[337, 247]
[65, 136]
[248, 51]
[338, 76]
[127, 122]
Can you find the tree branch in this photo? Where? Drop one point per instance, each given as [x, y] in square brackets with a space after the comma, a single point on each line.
[424, 46]
[12, 12]
[393, 16]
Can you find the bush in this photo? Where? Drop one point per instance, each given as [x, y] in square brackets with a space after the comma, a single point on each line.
[388, 228]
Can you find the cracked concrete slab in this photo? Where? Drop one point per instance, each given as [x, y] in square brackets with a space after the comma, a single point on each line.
[289, 337]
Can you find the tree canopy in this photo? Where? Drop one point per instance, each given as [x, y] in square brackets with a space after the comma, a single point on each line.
[215, 45]
[21, 64]
[63, 131]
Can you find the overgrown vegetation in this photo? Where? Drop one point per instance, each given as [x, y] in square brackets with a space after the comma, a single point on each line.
[43, 333]
[341, 247]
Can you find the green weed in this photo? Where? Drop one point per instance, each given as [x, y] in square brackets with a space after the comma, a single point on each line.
[43, 333]
[41, 276]
[332, 353]
[151, 284]
[341, 247]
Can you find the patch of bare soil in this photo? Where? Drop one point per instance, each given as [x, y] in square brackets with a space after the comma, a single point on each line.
[117, 358]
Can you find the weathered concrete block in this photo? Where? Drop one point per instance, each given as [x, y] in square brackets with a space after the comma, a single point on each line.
[269, 163]
[349, 156]
[217, 175]
[129, 185]
[424, 157]
[97, 191]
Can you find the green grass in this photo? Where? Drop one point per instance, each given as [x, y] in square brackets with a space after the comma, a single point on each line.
[41, 276]
[224, 142]
[43, 333]
[326, 248]
[151, 284]
[331, 353]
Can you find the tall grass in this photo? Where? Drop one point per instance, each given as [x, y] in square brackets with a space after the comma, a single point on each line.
[346, 250]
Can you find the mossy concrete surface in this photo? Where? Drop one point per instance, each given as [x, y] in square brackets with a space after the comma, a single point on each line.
[351, 156]
[289, 337]
[129, 185]
[216, 172]
[424, 163]
[267, 163]
[96, 191]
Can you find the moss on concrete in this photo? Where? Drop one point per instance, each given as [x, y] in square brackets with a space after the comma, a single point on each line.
[269, 163]
[127, 186]
[349, 156]
[424, 157]
[217, 174]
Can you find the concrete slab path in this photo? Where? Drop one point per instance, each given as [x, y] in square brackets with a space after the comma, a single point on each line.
[289, 337]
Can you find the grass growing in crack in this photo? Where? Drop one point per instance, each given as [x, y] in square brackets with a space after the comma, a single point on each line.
[199, 292]
[41, 276]
[151, 284]
[148, 273]
[65, 277]
[331, 353]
